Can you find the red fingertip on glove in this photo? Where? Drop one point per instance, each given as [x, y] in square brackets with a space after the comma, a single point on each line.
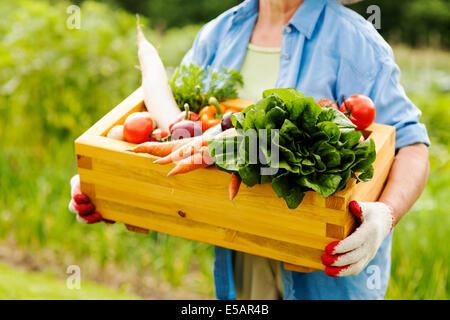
[334, 271]
[81, 198]
[84, 209]
[93, 218]
[355, 209]
[330, 247]
[328, 259]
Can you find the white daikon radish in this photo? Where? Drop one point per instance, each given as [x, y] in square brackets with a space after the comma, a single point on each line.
[158, 96]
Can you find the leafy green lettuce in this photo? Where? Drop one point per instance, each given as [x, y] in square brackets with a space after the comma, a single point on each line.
[288, 140]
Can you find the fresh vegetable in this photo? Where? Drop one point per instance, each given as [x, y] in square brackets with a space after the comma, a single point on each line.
[116, 132]
[188, 85]
[226, 123]
[185, 115]
[159, 135]
[304, 147]
[213, 131]
[185, 151]
[158, 96]
[213, 101]
[200, 159]
[137, 127]
[186, 129]
[360, 110]
[160, 149]
[327, 103]
[208, 117]
[233, 188]
[192, 147]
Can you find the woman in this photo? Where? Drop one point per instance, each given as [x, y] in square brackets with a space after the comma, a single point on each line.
[327, 51]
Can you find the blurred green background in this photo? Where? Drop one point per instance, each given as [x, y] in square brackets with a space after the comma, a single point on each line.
[56, 82]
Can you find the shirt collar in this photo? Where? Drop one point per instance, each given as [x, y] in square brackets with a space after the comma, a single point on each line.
[304, 19]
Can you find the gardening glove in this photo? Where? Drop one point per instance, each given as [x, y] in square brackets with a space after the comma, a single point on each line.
[81, 205]
[351, 255]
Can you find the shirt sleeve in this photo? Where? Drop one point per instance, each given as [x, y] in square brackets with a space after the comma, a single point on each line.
[396, 109]
[393, 107]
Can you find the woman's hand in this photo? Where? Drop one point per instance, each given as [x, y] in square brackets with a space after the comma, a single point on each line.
[351, 255]
[81, 205]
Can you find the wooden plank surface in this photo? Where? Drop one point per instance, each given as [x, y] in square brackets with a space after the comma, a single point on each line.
[207, 179]
[198, 208]
[385, 143]
[253, 244]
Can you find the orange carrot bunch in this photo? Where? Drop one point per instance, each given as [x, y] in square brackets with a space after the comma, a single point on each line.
[201, 159]
[160, 149]
[189, 154]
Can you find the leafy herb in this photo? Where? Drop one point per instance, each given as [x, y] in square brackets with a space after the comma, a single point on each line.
[188, 85]
[318, 149]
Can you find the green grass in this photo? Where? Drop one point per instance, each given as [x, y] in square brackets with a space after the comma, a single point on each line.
[420, 254]
[53, 87]
[21, 285]
[55, 83]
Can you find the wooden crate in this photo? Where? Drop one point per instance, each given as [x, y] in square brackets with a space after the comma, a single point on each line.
[128, 188]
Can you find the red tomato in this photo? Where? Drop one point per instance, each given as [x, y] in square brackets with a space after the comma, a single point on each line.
[360, 110]
[158, 135]
[137, 127]
[327, 103]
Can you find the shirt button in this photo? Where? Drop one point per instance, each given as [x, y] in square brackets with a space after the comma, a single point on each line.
[288, 29]
[286, 56]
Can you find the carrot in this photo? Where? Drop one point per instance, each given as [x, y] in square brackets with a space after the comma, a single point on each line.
[198, 160]
[194, 146]
[183, 152]
[227, 133]
[161, 149]
[233, 187]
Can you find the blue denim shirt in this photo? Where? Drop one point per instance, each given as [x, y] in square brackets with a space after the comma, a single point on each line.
[327, 51]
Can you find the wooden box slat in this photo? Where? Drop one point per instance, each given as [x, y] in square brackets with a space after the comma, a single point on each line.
[128, 188]
[211, 234]
[161, 200]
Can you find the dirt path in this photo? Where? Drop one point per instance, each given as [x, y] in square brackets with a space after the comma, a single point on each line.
[144, 286]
